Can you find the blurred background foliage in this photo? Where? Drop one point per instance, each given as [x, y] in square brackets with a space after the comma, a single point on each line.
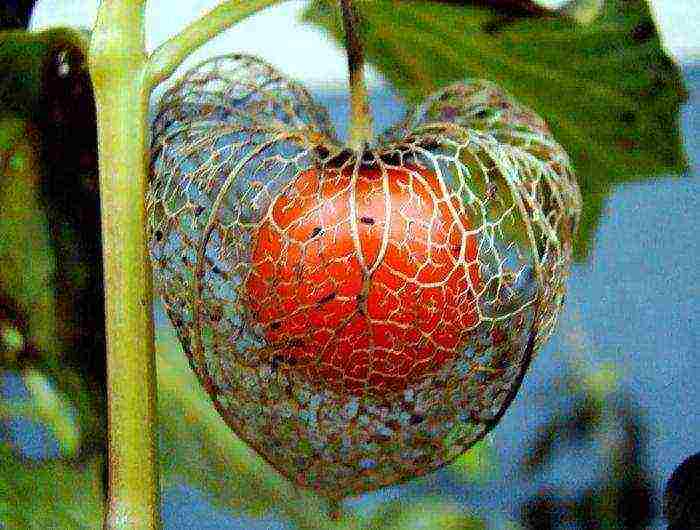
[597, 74]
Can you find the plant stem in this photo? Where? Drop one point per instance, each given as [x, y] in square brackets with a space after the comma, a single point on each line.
[360, 117]
[117, 62]
[169, 55]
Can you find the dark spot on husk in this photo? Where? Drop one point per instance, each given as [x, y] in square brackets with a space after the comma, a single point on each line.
[360, 304]
[327, 298]
[429, 143]
[368, 159]
[217, 313]
[321, 151]
[415, 419]
[340, 159]
[392, 159]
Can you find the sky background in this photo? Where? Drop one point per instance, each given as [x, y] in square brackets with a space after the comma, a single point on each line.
[302, 51]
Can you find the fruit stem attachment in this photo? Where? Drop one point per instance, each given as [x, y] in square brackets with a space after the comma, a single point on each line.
[360, 118]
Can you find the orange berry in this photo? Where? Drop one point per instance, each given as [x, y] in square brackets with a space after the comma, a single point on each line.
[365, 282]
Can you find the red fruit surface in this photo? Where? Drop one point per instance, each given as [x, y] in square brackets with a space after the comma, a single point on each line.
[364, 282]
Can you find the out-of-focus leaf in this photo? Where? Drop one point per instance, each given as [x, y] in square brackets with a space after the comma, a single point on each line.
[581, 421]
[52, 494]
[17, 408]
[28, 271]
[23, 61]
[51, 279]
[55, 411]
[681, 498]
[605, 417]
[13, 343]
[429, 513]
[607, 89]
[564, 429]
[49, 213]
[45, 406]
[600, 383]
[478, 465]
[28, 261]
[509, 524]
[12, 339]
[542, 511]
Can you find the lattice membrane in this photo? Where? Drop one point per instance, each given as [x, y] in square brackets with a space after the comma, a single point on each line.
[357, 318]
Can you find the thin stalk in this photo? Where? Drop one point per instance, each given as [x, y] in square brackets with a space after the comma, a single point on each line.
[117, 61]
[360, 117]
[169, 55]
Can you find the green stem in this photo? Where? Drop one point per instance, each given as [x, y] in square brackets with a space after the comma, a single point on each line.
[117, 62]
[360, 117]
[169, 55]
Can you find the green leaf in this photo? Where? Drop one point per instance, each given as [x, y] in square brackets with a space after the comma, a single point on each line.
[607, 89]
[428, 513]
[28, 275]
[23, 58]
[478, 464]
[25, 248]
[48, 407]
[49, 495]
[55, 411]
[602, 382]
